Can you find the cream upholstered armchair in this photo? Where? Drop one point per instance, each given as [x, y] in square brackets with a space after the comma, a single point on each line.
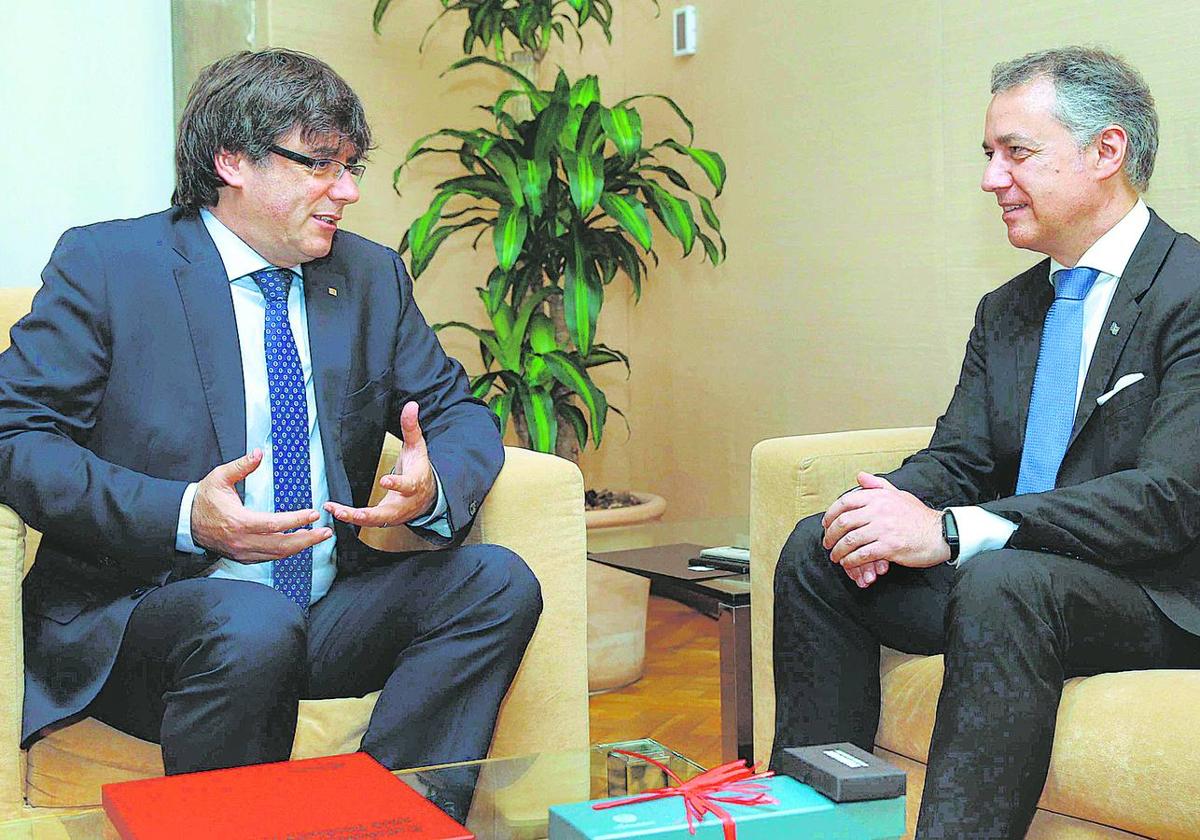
[1126, 760]
[535, 508]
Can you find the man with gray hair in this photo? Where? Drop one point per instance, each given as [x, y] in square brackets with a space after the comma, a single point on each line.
[1050, 528]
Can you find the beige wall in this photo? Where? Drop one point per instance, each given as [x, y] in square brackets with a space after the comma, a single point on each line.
[859, 240]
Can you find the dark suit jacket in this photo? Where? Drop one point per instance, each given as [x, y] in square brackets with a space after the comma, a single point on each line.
[1128, 491]
[124, 384]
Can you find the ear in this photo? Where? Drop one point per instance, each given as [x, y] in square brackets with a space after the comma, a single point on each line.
[231, 167]
[1111, 146]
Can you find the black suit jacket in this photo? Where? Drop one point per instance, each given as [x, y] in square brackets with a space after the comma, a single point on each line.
[124, 384]
[1128, 490]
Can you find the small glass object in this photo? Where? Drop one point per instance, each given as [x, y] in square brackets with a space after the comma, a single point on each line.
[629, 775]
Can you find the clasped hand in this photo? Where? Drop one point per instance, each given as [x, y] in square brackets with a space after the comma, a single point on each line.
[868, 529]
[223, 525]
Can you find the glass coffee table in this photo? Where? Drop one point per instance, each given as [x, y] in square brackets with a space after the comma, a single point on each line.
[513, 795]
[511, 798]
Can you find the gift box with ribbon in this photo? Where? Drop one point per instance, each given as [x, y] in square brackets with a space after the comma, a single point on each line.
[730, 802]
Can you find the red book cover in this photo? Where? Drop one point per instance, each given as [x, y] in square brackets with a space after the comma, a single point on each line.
[342, 797]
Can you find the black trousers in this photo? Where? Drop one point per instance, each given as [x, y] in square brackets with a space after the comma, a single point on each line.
[1012, 625]
[214, 669]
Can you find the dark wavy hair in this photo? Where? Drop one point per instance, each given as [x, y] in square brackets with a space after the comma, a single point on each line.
[248, 101]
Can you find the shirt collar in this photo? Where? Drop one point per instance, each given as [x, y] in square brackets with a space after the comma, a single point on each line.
[1111, 252]
[238, 258]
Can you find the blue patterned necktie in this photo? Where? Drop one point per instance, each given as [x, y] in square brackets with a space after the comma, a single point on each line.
[1056, 382]
[289, 428]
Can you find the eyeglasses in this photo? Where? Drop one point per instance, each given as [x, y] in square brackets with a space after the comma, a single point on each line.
[325, 168]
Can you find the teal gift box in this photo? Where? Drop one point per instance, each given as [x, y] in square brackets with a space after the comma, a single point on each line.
[800, 812]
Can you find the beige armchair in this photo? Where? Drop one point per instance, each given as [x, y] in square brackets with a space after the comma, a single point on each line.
[1126, 760]
[535, 508]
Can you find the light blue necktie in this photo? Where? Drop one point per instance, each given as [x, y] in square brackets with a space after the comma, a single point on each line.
[1055, 383]
[289, 428]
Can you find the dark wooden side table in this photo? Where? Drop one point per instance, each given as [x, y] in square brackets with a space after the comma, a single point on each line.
[723, 595]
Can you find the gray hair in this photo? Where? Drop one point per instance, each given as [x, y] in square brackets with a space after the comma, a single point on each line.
[249, 101]
[1093, 90]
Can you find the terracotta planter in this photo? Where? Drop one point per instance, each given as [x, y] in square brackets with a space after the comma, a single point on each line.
[651, 508]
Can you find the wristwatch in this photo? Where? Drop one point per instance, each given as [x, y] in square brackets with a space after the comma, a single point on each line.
[950, 533]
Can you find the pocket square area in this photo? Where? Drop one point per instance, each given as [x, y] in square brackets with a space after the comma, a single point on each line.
[1121, 384]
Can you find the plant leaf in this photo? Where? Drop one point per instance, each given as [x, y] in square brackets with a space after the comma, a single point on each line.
[624, 128]
[575, 377]
[481, 384]
[585, 177]
[501, 404]
[630, 214]
[535, 177]
[486, 337]
[377, 17]
[676, 216]
[537, 372]
[711, 162]
[710, 215]
[585, 91]
[508, 236]
[538, 409]
[506, 168]
[583, 295]
[529, 306]
[602, 355]
[541, 334]
[671, 102]
[575, 420]
[550, 125]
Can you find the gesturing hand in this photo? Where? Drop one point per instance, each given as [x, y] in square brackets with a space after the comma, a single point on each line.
[223, 525]
[411, 488]
[877, 525]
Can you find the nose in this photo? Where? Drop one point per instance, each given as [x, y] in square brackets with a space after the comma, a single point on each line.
[996, 175]
[345, 189]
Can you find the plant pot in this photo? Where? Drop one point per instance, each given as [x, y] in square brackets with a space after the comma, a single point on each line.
[651, 508]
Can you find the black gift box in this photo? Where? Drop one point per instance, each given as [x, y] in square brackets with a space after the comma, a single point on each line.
[843, 772]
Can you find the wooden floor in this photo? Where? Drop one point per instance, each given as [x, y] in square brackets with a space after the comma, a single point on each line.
[678, 701]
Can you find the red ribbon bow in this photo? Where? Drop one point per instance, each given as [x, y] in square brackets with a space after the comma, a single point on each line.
[736, 781]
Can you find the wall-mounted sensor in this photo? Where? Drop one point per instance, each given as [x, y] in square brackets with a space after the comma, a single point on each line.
[685, 30]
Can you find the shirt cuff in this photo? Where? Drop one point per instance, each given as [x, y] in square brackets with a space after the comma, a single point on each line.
[183, 531]
[979, 530]
[436, 520]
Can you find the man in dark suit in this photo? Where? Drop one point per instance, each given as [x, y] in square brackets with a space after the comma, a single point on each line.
[1049, 529]
[192, 414]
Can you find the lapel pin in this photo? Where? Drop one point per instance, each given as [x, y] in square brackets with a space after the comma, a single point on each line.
[1114, 328]
[333, 292]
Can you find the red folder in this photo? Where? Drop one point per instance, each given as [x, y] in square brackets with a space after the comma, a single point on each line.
[342, 797]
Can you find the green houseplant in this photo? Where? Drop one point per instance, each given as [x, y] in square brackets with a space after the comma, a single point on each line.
[566, 187]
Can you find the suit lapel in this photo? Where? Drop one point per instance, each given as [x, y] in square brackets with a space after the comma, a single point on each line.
[208, 307]
[327, 299]
[1029, 341]
[1124, 310]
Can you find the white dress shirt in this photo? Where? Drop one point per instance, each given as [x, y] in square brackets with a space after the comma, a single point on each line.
[249, 310]
[980, 530]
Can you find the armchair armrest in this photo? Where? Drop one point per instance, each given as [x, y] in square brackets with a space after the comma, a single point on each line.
[535, 508]
[791, 478]
[12, 663]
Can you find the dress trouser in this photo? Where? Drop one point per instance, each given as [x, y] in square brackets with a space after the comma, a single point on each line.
[213, 669]
[1012, 625]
